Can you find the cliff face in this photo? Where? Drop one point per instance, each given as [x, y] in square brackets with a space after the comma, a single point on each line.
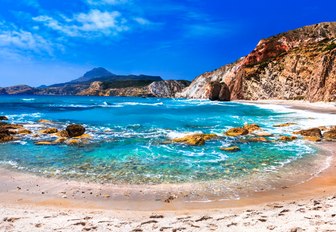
[299, 64]
[163, 89]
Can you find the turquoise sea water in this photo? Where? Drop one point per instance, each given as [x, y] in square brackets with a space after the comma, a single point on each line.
[131, 139]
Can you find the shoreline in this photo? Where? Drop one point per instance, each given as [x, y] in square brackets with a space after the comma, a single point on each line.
[15, 199]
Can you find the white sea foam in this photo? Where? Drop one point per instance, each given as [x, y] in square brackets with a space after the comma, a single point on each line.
[10, 163]
[28, 99]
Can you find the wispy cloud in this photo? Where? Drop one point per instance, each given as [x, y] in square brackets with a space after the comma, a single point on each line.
[93, 24]
[14, 39]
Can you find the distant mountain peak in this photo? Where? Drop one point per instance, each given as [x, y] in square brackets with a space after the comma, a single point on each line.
[93, 74]
[98, 72]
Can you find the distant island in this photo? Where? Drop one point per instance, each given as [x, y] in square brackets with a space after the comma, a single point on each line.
[101, 82]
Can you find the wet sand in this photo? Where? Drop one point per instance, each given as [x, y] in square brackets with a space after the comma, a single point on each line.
[36, 203]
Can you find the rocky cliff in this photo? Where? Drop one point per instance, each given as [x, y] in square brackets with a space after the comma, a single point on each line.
[298, 64]
[163, 89]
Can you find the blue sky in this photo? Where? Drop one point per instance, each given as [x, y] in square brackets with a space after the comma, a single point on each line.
[45, 41]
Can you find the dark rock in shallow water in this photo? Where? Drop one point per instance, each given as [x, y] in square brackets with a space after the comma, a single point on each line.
[3, 118]
[75, 130]
[5, 135]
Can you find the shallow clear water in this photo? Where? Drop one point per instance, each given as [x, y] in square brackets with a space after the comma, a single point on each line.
[130, 137]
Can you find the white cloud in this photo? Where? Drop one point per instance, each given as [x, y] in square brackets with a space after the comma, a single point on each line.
[13, 38]
[95, 23]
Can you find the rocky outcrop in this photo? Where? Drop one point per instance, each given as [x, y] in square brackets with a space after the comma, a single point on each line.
[5, 135]
[164, 89]
[297, 65]
[75, 130]
[167, 89]
[18, 90]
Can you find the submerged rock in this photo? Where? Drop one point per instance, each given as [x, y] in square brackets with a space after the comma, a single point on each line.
[45, 121]
[254, 139]
[45, 143]
[287, 138]
[75, 130]
[310, 132]
[195, 139]
[230, 149]
[330, 135]
[73, 141]
[236, 131]
[285, 124]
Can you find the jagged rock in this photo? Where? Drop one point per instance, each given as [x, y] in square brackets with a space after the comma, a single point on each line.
[5, 135]
[296, 65]
[236, 131]
[310, 132]
[195, 139]
[3, 118]
[230, 149]
[251, 127]
[287, 138]
[285, 124]
[167, 89]
[312, 138]
[218, 91]
[75, 130]
[48, 131]
[330, 135]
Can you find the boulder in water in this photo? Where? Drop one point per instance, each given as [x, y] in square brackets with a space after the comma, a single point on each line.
[287, 138]
[5, 136]
[230, 149]
[237, 131]
[195, 139]
[251, 127]
[49, 131]
[310, 132]
[75, 130]
[3, 118]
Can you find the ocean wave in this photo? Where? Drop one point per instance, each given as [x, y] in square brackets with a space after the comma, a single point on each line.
[28, 99]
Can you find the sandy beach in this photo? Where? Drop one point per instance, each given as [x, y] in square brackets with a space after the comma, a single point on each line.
[36, 203]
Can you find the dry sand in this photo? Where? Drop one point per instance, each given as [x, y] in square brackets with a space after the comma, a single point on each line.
[31, 203]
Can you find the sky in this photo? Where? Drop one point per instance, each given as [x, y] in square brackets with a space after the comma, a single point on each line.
[44, 42]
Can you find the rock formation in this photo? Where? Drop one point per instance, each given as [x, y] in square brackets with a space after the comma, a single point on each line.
[155, 89]
[296, 65]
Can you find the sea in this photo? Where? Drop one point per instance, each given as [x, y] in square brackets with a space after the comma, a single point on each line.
[131, 141]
